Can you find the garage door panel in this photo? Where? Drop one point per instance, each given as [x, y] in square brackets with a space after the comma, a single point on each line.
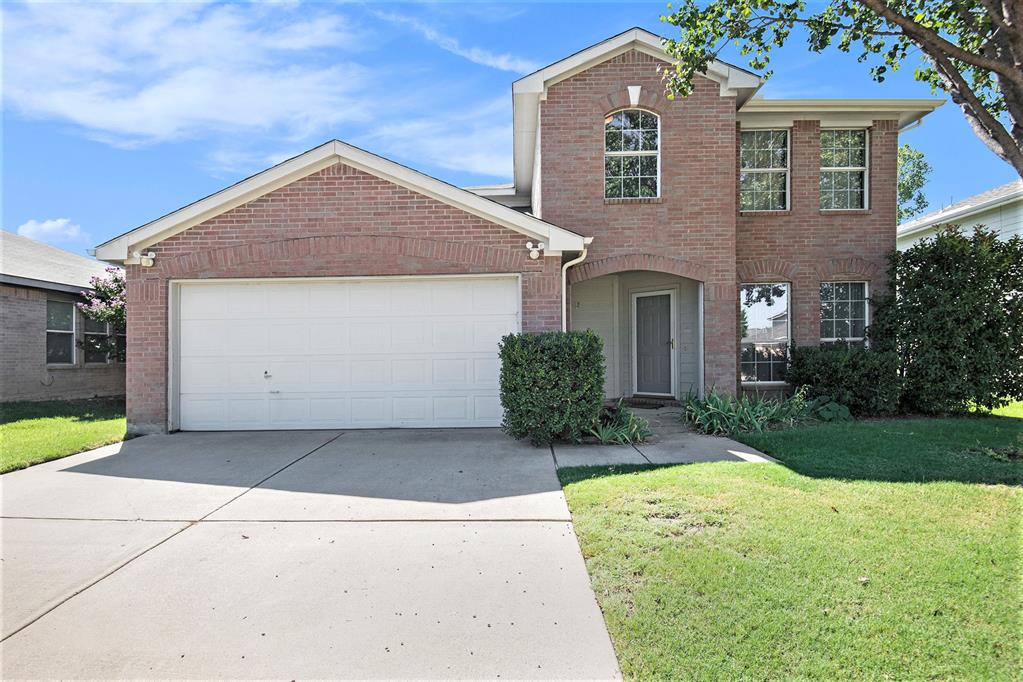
[343, 354]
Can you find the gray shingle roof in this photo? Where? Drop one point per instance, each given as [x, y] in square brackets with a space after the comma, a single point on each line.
[27, 261]
[962, 208]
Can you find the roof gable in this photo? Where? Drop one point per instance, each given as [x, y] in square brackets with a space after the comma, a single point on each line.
[125, 247]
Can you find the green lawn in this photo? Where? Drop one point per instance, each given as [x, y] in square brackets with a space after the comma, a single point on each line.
[880, 549]
[34, 432]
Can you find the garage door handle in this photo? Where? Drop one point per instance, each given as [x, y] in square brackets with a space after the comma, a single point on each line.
[274, 392]
[267, 375]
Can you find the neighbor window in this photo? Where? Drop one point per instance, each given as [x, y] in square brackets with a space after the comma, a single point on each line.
[843, 311]
[843, 169]
[763, 170]
[631, 156]
[764, 321]
[60, 333]
[94, 341]
[120, 345]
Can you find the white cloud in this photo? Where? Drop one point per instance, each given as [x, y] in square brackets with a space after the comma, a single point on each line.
[139, 73]
[53, 231]
[477, 55]
[477, 140]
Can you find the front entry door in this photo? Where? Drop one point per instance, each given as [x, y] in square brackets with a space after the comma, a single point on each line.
[653, 342]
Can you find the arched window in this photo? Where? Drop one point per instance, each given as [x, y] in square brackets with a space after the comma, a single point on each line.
[632, 160]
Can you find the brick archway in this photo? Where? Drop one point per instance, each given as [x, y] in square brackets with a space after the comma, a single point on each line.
[637, 261]
[853, 267]
[767, 269]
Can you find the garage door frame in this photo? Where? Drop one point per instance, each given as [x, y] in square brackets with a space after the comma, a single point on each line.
[174, 312]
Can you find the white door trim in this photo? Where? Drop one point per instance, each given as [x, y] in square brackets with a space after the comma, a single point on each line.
[671, 356]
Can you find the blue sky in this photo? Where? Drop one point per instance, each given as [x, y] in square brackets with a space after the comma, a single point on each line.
[116, 114]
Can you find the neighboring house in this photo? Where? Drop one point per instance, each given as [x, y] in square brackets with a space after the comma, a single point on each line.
[999, 209]
[341, 289]
[43, 355]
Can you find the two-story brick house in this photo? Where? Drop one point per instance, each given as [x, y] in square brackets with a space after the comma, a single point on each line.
[699, 237]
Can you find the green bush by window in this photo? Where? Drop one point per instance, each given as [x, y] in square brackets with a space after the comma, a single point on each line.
[864, 380]
[957, 321]
[552, 385]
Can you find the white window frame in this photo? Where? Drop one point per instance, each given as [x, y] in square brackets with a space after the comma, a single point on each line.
[85, 334]
[865, 169]
[788, 335]
[787, 170]
[73, 333]
[866, 311]
[624, 153]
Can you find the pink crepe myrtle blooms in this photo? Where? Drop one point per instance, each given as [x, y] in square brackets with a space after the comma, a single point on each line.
[106, 303]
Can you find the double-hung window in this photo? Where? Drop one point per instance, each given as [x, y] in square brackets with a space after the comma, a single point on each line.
[95, 340]
[60, 333]
[764, 320]
[843, 311]
[632, 166]
[764, 170]
[843, 169]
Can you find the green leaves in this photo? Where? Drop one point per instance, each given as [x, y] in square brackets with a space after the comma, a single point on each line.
[913, 172]
[864, 380]
[957, 322]
[552, 384]
[969, 48]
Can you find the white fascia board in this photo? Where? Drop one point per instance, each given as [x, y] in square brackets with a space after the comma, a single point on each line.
[833, 113]
[120, 248]
[925, 223]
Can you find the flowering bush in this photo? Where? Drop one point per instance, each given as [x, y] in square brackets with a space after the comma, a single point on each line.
[106, 304]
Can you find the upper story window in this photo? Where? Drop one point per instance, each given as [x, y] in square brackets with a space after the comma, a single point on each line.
[60, 333]
[764, 170]
[843, 169]
[632, 161]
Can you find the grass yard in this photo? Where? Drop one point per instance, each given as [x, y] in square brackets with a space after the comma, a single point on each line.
[34, 432]
[880, 549]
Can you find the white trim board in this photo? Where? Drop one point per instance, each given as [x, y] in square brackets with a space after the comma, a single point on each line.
[121, 248]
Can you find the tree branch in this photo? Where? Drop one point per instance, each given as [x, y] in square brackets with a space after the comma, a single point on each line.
[924, 37]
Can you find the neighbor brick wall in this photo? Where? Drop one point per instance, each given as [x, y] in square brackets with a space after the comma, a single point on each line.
[690, 230]
[806, 246]
[24, 374]
[337, 222]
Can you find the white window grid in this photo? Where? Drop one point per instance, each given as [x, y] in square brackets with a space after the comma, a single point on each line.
[786, 170]
[847, 318]
[864, 170]
[624, 153]
[73, 332]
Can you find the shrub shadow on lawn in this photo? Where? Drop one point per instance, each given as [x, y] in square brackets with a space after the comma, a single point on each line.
[87, 410]
[907, 450]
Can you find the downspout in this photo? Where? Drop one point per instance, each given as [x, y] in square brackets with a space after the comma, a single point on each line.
[564, 283]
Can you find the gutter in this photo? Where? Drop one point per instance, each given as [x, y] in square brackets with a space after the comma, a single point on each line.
[564, 282]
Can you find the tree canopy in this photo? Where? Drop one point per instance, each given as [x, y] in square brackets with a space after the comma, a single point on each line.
[913, 172]
[971, 49]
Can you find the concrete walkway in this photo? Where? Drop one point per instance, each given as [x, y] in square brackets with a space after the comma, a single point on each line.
[671, 443]
[366, 554]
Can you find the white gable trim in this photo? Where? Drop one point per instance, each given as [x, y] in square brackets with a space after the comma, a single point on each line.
[529, 91]
[121, 248]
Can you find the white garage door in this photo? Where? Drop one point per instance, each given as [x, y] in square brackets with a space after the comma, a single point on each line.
[278, 354]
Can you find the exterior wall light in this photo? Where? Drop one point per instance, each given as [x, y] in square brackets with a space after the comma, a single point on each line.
[534, 249]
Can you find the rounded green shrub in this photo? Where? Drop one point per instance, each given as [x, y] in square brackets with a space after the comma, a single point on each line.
[866, 381]
[552, 384]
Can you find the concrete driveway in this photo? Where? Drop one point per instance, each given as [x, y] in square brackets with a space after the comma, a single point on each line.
[363, 554]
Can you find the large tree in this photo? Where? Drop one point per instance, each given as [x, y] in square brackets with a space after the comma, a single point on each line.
[971, 49]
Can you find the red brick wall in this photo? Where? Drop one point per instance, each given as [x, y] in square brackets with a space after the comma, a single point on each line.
[337, 222]
[806, 246]
[690, 230]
